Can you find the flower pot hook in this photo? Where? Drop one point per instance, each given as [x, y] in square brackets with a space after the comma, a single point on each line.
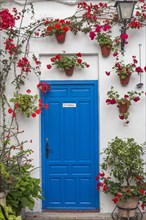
[140, 84]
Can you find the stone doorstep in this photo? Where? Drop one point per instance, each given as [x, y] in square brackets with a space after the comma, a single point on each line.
[67, 216]
[70, 216]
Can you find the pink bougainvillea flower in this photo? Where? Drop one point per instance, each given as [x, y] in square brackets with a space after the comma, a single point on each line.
[24, 64]
[115, 200]
[102, 174]
[142, 206]
[38, 111]
[115, 54]
[78, 54]
[49, 66]
[138, 69]
[6, 20]
[92, 35]
[98, 28]
[119, 195]
[28, 91]
[124, 36]
[10, 46]
[142, 191]
[111, 101]
[10, 111]
[14, 114]
[44, 87]
[136, 99]
[121, 117]
[107, 73]
[106, 27]
[79, 61]
[33, 115]
[57, 57]
[46, 106]
[54, 58]
[87, 65]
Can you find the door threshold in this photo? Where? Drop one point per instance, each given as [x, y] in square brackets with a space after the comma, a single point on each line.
[72, 211]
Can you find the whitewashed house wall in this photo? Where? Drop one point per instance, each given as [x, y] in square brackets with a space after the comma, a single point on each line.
[109, 124]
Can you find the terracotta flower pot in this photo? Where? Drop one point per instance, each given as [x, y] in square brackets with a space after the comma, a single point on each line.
[105, 50]
[60, 36]
[125, 81]
[123, 106]
[69, 72]
[123, 206]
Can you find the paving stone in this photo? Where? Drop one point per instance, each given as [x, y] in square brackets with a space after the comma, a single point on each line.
[70, 216]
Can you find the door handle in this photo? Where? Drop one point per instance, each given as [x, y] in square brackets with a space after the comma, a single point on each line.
[47, 148]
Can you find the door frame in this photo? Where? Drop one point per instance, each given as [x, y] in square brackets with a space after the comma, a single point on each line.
[73, 82]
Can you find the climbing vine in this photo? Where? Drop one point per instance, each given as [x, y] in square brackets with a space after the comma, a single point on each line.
[18, 65]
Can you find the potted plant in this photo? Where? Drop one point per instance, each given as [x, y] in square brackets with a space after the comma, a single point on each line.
[122, 174]
[26, 103]
[57, 27]
[25, 191]
[105, 42]
[124, 102]
[102, 35]
[124, 71]
[68, 62]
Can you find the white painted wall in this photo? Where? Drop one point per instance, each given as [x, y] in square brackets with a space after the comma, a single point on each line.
[109, 124]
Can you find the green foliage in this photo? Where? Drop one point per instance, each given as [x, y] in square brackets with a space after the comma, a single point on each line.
[66, 61]
[104, 39]
[124, 157]
[25, 191]
[124, 165]
[25, 103]
[6, 213]
[6, 178]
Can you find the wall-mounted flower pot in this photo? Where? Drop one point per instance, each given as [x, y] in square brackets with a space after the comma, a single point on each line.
[123, 106]
[105, 50]
[69, 72]
[125, 81]
[60, 36]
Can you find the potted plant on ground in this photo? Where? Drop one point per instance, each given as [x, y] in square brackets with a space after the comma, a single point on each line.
[68, 62]
[124, 102]
[122, 174]
[57, 27]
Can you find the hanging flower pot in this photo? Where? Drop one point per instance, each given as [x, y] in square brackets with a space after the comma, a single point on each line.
[128, 207]
[124, 80]
[69, 72]
[105, 50]
[123, 105]
[60, 36]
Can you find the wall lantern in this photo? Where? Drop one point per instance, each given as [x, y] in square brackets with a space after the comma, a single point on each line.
[125, 12]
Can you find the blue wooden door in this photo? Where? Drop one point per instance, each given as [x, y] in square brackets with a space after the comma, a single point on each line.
[70, 146]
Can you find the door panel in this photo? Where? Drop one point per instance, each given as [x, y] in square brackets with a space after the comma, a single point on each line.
[70, 125]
